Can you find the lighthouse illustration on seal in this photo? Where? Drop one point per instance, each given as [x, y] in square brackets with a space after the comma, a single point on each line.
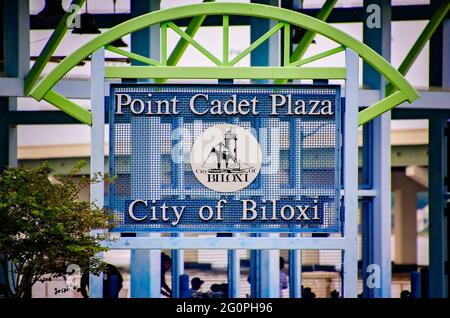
[224, 154]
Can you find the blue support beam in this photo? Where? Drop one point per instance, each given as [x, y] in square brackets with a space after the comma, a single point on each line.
[145, 265]
[267, 54]
[295, 272]
[436, 50]
[254, 275]
[295, 256]
[415, 285]
[377, 34]
[234, 273]
[16, 56]
[17, 23]
[367, 206]
[178, 177]
[367, 251]
[177, 269]
[446, 84]
[339, 15]
[437, 202]
[146, 41]
[446, 54]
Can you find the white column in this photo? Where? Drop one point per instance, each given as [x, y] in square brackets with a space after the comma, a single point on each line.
[382, 203]
[97, 149]
[351, 175]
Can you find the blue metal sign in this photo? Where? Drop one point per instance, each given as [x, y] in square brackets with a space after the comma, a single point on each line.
[225, 158]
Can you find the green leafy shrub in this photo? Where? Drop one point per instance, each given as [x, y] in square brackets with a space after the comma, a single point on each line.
[44, 227]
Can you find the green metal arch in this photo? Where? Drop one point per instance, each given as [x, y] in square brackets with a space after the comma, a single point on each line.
[406, 91]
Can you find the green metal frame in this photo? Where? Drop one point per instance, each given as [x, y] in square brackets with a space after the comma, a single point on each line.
[424, 37]
[182, 45]
[50, 47]
[223, 66]
[133, 56]
[306, 39]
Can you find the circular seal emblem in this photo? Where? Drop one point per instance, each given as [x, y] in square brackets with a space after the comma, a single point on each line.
[226, 158]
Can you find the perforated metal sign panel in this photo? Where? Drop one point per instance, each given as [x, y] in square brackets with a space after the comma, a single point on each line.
[153, 129]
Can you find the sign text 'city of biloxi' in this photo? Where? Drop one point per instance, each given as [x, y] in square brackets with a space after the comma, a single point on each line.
[225, 158]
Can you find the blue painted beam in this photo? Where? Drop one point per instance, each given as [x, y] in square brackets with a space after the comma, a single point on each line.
[339, 15]
[377, 216]
[267, 54]
[436, 195]
[145, 265]
[446, 54]
[436, 52]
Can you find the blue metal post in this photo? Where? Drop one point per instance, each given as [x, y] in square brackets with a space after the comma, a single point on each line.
[184, 286]
[367, 253]
[295, 272]
[146, 41]
[295, 256]
[234, 272]
[16, 41]
[435, 72]
[438, 76]
[178, 255]
[254, 274]
[177, 269]
[265, 55]
[446, 54]
[446, 84]
[17, 38]
[415, 285]
[378, 37]
[145, 265]
[436, 196]
[367, 207]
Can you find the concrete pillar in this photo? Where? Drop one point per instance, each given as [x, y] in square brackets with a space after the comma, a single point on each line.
[405, 217]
